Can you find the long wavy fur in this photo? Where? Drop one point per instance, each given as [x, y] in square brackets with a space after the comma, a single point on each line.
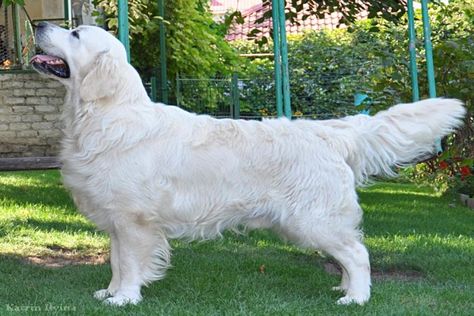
[147, 172]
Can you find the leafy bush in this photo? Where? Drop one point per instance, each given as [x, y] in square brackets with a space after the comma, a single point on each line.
[195, 43]
[453, 40]
[327, 68]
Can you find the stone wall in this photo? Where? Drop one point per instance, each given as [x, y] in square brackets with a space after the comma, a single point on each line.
[30, 108]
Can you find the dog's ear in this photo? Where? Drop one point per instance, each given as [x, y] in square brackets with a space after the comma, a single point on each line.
[102, 80]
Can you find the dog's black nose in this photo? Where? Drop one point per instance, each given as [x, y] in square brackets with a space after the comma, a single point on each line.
[41, 25]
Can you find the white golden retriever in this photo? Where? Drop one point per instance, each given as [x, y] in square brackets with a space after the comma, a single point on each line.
[146, 172]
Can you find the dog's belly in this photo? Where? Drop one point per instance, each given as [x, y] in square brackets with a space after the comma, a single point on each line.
[180, 208]
[196, 212]
[211, 227]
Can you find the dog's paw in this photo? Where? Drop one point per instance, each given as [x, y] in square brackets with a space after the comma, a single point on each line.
[346, 300]
[102, 294]
[339, 288]
[121, 300]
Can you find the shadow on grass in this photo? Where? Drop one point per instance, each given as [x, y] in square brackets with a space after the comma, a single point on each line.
[199, 276]
[203, 273]
[54, 225]
[27, 284]
[47, 195]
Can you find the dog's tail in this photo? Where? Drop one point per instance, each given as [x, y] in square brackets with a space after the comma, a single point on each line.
[403, 134]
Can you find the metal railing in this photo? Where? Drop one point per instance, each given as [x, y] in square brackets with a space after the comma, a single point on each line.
[17, 44]
[16, 38]
[321, 98]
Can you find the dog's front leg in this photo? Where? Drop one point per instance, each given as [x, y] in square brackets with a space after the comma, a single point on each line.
[125, 258]
[115, 263]
[142, 256]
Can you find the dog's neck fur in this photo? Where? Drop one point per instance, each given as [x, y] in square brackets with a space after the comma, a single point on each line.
[72, 103]
[78, 114]
[126, 94]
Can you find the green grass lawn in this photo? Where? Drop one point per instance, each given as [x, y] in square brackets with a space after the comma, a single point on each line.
[52, 260]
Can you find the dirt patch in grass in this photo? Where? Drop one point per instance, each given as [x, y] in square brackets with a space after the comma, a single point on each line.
[60, 257]
[398, 275]
[390, 275]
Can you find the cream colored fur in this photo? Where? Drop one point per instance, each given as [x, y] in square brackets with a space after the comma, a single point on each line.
[147, 172]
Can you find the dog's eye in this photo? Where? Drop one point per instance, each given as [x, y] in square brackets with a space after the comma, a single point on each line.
[75, 34]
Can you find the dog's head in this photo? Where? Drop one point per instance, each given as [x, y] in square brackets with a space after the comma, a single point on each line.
[88, 57]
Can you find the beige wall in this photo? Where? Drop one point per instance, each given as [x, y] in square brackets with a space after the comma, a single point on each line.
[54, 9]
[45, 9]
[30, 107]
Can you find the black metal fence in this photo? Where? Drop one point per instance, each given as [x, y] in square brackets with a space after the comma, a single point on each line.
[17, 44]
[16, 38]
[233, 97]
[227, 97]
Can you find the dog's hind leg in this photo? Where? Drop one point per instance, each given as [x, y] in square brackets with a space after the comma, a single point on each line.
[336, 233]
[354, 258]
[143, 256]
[344, 281]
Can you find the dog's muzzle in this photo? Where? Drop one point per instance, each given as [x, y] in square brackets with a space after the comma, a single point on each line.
[48, 64]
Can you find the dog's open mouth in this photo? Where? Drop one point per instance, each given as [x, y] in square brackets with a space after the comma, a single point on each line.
[51, 65]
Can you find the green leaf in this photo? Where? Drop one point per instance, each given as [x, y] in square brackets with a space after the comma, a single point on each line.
[10, 2]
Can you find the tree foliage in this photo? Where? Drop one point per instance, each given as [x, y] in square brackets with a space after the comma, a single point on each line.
[9, 2]
[453, 38]
[351, 10]
[327, 68]
[388, 9]
[195, 43]
[138, 14]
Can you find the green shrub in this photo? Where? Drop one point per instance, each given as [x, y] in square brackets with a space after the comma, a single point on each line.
[195, 43]
[327, 68]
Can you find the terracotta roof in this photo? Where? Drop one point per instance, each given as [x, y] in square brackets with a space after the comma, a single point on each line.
[215, 3]
[303, 22]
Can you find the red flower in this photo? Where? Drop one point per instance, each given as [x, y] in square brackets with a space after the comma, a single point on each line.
[465, 172]
[443, 165]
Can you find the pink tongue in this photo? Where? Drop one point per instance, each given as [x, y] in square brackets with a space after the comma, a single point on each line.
[43, 58]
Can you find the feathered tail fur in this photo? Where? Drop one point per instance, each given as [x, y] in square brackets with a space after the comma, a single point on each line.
[398, 136]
